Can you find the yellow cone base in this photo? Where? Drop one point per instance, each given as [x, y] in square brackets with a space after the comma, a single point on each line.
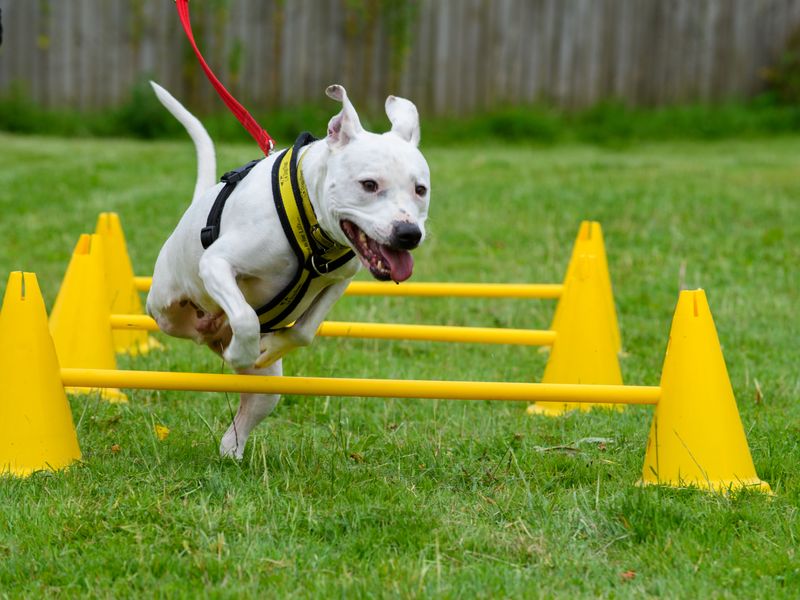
[718, 485]
[113, 395]
[553, 409]
[36, 428]
[585, 349]
[80, 319]
[148, 344]
[138, 345]
[121, 291]
[697, 438]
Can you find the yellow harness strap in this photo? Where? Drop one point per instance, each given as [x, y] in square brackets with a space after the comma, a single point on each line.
[316, 253]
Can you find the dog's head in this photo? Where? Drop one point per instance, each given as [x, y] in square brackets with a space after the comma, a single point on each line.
[377, 187]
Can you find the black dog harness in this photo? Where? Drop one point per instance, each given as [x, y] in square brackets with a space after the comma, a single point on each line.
[317, 254]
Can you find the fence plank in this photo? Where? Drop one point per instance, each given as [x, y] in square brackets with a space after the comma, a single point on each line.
[465, 55]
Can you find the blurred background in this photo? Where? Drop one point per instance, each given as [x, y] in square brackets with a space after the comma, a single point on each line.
[454, 58]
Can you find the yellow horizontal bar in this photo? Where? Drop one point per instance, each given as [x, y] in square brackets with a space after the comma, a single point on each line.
[433, 289]
[438, 333]
[460, 290]
[372, 388]
[133, 322]
[142, 283]
[391, 331]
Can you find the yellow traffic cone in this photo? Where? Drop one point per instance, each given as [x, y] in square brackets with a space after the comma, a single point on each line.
[590, 241]
[36, 428]
[122, 294]
[80, 319]
[585, 349]
[697, 438]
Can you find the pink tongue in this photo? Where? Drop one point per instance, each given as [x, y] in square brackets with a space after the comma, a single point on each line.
[400, 263]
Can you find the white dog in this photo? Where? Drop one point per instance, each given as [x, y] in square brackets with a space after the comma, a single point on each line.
[257, 261]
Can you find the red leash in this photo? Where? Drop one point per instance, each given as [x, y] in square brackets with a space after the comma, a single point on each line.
[262, 138]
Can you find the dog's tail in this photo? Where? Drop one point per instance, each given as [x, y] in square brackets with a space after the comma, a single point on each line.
[206, 158]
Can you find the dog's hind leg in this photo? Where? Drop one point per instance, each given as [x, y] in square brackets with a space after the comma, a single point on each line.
[184, 319]
[253, 408]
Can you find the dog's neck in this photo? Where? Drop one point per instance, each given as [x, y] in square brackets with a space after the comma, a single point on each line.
[315, 170]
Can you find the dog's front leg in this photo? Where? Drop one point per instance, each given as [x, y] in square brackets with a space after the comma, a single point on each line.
[276, 345]
[219, 278]
[253, 408]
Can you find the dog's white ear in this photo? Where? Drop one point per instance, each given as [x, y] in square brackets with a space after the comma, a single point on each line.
[404, 117]
[346, 125]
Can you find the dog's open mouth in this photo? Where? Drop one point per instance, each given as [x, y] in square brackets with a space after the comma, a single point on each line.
[384, 262]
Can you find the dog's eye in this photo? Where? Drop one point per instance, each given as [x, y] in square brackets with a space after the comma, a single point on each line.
[369, 185]
[421, 190]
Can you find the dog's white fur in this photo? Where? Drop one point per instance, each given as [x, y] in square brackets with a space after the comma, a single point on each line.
[209, 295]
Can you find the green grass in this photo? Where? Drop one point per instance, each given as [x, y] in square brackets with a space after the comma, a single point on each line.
[363, 497]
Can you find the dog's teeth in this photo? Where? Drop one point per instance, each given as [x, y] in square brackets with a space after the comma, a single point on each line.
[362, 237]
[380, 265]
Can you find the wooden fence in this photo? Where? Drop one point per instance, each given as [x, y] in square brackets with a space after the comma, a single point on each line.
[449, 56]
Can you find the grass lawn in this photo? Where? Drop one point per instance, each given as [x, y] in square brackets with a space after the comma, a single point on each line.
[364, 497]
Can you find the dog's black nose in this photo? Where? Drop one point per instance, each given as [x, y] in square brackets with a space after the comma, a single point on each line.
[406, 236]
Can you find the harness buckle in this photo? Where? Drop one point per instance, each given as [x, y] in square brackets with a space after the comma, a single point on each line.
[311, 265]
[236, 175]
[208, 234]
[321, 237]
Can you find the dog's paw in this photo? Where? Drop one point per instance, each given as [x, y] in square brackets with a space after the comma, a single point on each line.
[265, 359]
[241, 356]
[274, 346]
[231, 445]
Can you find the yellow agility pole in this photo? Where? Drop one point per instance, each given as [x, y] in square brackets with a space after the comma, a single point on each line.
[370, 388]
[142, 283]
[392, 331]
[435, 290]
[133, 322]
[438, 333]
[456, 290]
